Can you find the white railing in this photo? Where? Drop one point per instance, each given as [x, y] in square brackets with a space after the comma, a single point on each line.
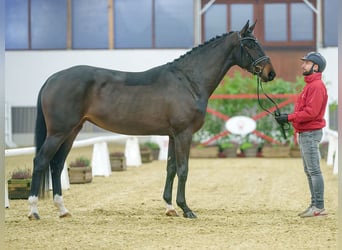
[76, 144]
[100, 156]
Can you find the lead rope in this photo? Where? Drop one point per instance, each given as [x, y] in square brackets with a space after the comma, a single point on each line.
[276, 112]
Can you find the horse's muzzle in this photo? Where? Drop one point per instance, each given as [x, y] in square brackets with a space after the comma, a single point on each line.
[268, 73]
[271, 75]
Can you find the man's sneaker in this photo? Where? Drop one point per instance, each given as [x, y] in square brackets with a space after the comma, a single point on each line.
[305, 211]
[314, 211]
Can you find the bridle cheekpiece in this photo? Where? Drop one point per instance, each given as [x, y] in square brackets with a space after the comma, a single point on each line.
[254, 69]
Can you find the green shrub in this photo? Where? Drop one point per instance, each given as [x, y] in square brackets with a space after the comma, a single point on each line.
[80, 162]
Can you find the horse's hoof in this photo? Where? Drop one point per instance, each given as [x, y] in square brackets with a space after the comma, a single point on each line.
[171, 212]
[33, 216]
[190, 215]
[66, 215]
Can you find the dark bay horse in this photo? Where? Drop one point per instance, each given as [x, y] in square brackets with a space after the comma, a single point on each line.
[170, 99]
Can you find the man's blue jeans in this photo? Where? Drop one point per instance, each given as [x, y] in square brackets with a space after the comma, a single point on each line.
[309, 146]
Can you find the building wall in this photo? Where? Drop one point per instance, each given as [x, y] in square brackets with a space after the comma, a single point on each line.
[26, 72]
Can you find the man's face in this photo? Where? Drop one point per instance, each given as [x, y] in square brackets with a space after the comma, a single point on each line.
[308, 67]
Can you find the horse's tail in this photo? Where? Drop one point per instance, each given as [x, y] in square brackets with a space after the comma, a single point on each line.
[39, 139]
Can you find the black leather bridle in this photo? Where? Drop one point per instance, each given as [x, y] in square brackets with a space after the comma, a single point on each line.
[253, 67]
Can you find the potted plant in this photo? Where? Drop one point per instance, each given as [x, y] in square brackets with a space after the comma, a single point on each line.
[146, 155]
[203, 151]
[249, 148]
[20, 184]
[117, 161]
[80, 171]
[154, 147]
[227, 148]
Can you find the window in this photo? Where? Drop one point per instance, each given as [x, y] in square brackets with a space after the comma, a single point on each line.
[133, 24]
[153, 24]
[302, 22]
[48, 24]
[215, 22]
[174, 24]
[16, 30]
[239, 15]
[223, 17]
[275, 22]
[330, 22]
[100, 24]
[277, 18]
[288, 23]
[281, 23]
[90, 24]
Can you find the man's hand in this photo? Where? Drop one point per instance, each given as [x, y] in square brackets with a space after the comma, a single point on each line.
[282, 118]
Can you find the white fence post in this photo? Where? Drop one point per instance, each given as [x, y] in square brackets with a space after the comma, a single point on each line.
[163, 142]
[132, 152]
[8, 126]
[7, 205]
[335, 170]
[332, 157]
[100, 161]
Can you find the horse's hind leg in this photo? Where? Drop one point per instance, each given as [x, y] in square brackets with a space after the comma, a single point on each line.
[57, 165]
[41, 163]
[170, 175]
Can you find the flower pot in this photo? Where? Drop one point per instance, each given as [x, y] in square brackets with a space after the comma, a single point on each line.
[204, 152]
[146, 155]
[276, 151]
[118, 163]
[19, 188]
[230, 152]
[295, 151]
[250, 152]
[155, 153]
[80, 175]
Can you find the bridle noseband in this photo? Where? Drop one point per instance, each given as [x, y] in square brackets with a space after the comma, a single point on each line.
[254, 62]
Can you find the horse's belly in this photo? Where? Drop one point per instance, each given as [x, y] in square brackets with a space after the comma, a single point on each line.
[138, 126]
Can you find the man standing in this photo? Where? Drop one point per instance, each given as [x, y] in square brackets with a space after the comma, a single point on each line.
[308, 121]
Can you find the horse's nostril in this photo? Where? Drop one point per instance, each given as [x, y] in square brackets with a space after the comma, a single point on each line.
[271, 75]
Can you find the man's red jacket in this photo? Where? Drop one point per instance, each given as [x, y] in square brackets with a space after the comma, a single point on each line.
[310, 106]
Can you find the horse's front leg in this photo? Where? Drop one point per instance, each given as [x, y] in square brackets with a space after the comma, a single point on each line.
[182, 149]
[170, 175]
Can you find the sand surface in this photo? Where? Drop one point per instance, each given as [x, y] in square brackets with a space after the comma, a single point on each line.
[247, 203]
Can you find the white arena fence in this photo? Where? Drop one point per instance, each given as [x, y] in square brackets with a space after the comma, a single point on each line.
[100, 156]
[100, 161]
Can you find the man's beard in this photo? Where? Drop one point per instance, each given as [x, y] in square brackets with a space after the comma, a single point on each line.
[307, 73]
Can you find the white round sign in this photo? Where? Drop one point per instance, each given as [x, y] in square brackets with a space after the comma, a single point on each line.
[240, 125]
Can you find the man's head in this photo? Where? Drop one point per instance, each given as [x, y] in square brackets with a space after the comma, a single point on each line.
[313, 62]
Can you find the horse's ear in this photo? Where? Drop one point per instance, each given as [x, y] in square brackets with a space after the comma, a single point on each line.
[251, 28]
[244, 29]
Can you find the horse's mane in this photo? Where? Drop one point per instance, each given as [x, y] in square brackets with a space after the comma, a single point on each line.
[205, 44]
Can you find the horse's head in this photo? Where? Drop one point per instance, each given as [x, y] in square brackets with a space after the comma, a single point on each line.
[251, 56]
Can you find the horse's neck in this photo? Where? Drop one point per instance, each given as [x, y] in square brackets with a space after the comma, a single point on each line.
[207, 67]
